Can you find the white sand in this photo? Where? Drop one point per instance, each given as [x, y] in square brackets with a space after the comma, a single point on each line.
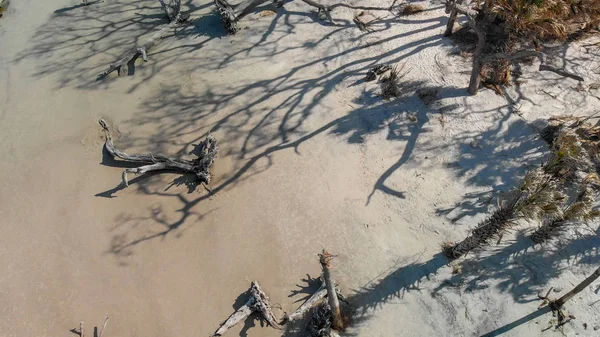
[309, 156]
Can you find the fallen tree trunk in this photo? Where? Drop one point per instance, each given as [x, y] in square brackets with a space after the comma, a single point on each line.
[199, 167]
[320, 294]
[332, 299]
[122, 64]
[314, 299]
[258, 302]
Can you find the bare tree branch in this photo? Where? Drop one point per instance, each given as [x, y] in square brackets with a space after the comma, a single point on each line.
[258, 302]
[199, 167]
[122, 64]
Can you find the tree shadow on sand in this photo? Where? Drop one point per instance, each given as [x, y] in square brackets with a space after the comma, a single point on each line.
[79, 42]
[516, 268]
[274, 118]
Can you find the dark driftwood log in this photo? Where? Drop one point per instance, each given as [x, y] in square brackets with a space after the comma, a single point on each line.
[258, 302]
[199, 167]
[122, 64]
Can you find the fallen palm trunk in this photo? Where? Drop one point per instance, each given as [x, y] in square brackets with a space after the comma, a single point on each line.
[199, 167]
[320, 294]
[258, 302]
[122, 64]
[332, 299]
[537, 196]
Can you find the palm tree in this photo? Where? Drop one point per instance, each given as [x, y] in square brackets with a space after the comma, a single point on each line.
[537, 196]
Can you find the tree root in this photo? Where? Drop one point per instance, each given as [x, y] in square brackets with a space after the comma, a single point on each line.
[200, 167]
[258, 302]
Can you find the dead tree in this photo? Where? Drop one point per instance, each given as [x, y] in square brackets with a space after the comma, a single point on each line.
[454, 7]
[334, 304]
[176, 18]
[316, 298]
[258, 302]
[200, 167]
[320, 294]
[232, 14]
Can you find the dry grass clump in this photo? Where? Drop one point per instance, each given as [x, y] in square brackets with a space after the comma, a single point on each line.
[496, 74]
[511, 25]
[391, 86]
[411, 9]
[548, 20]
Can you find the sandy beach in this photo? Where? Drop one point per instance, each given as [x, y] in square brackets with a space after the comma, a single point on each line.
[310, 156]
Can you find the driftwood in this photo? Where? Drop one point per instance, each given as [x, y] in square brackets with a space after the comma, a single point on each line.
[81, 333]
[175, 18]
[231, 14]
[258, 302]
[454, 7]
[320, 294]
[557, 305]
[332, 299]
[200, 167]
[171, 8]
